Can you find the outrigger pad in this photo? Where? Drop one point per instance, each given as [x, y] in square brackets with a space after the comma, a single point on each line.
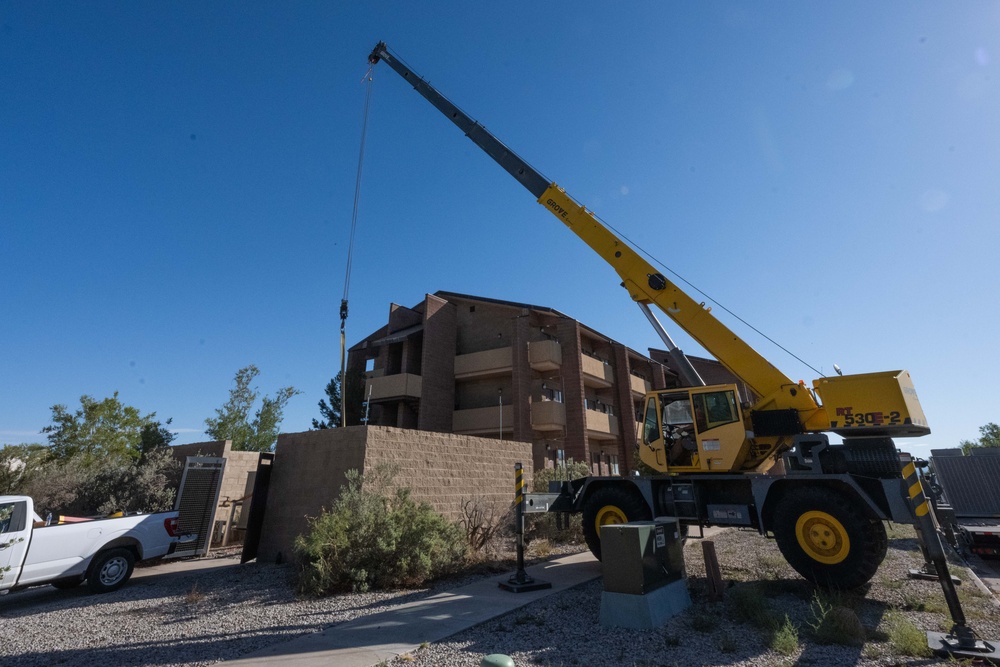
[946, 645]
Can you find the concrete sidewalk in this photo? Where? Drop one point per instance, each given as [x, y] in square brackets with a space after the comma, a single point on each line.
[369, 640]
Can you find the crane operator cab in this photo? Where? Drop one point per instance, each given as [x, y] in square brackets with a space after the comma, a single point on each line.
[699, 429]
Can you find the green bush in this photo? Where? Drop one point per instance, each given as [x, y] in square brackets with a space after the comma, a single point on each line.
[376, 536]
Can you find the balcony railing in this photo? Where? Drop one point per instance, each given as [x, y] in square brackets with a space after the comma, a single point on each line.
[601, 426]
[639, 386]
[483, 364]
[596, 372]
[482, 421]
[392, 387]
[545, 355]
[548, 416]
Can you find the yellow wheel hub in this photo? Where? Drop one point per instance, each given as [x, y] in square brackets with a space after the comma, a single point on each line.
[607, 516]
[822, 537]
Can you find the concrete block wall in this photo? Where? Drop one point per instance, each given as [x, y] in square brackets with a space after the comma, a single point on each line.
[442, 469]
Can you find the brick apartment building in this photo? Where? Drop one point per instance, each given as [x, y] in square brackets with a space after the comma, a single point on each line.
[477, 366]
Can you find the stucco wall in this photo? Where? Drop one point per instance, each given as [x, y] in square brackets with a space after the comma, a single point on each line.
[440, 468]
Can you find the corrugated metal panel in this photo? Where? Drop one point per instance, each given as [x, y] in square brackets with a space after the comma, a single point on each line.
[197, 501]
[971, 484]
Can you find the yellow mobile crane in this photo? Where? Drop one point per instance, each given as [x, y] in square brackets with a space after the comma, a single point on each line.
[710, 451]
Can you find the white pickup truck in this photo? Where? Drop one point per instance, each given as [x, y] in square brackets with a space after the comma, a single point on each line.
[100, 551]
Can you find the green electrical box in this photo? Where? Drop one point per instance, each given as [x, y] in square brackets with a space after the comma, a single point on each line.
[642, 556]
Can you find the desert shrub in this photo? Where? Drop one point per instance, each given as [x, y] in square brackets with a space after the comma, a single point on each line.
[564, 529]
[130, 486]
[19, 464]
[834, 624]
[375, 536]
[785, 639]
[116, 484]
[748, 604]
[905, 637]
[484, 521]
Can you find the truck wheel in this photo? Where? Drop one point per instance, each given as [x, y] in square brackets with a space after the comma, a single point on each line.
[110, 570]
[828, 538]
[608, 506]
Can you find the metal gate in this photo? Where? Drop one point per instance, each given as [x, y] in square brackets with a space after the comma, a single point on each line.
[255, 520]
[197, 501]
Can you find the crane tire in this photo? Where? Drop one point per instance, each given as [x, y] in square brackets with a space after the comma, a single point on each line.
[607, 506]
[828, 537]
[110, 570]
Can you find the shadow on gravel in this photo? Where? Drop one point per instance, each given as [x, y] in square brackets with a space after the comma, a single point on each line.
[223, 586]
[203, 648]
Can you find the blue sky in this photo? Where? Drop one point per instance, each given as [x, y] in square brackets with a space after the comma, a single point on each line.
[177, 179]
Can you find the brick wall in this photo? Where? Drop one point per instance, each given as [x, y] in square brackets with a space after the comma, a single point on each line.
[440, 468]
[576, 445]
[438, 366]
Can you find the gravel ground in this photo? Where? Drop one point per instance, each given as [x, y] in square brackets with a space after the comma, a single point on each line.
[200, 618]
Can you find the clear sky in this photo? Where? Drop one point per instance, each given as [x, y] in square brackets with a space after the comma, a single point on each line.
[177, 180]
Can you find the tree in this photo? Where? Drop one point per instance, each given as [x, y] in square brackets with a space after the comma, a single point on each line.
[989, 436]
[354, 397]
[330, 412]
[98, 429]
[232, 420]
[155, 436]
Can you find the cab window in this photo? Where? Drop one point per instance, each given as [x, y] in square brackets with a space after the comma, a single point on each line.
[650, 429]
[715, 409]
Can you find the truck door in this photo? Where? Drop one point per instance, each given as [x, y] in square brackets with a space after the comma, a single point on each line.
[15, 529]
[719, 426]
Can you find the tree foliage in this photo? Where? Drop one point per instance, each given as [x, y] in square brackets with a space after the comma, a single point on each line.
[353, 391]
[989, 436]
[19, 464]
[232, 421]
[99, 429]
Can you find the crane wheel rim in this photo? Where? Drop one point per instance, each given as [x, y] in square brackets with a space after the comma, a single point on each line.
[609, 515]
[822, 537]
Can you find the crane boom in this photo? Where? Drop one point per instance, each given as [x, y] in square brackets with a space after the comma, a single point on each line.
[644, 283]
[869, 404]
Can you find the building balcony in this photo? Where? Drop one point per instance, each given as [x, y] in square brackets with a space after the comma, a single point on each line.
[548, 416]
[545, 355]
[596, 373]
[483, 364]
[601, 426]
[482, 421]
[393, 387]
[639, 386]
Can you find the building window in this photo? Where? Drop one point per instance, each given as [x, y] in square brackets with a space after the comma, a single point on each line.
[598, 405]
[550, 394]
[614, 464]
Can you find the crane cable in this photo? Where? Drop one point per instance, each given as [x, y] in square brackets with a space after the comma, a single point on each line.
[350, 246]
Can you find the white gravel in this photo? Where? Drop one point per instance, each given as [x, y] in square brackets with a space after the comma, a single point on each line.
[199, 618]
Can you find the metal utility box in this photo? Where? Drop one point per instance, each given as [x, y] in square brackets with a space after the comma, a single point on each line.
[642, 556]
